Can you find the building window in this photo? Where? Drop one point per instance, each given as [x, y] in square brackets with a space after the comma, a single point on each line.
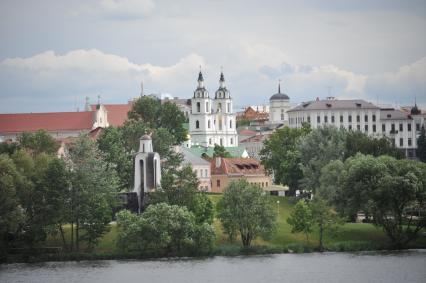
[207, 107]
[230, 124]
[282, 114]
[358, 127]
[196, 172]
[229, 107]
[401, 142]
[218, 183]
[401, 126]
[309, 119]
[350, 118]
[374, 118]
[350, 127]
[409, 127]
[325, 119]
[210, 141]
[383, 128]
[221, 141]
[418, 127]
[318, 119]
[392, 128]
[332, 119]
[366, 118]
[341, 118]
[374, 128]
[358, 119]
[366, 128]
[198, 107]
[410, 141]
[232, 141]
[197, 124]
[208, 124]
[206, 174]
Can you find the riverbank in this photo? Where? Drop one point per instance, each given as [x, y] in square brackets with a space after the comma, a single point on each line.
[351, 237]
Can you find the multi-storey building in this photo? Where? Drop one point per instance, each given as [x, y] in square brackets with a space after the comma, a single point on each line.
[401, 127]
[212, 121]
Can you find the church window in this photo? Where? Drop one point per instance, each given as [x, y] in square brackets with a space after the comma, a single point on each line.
[198, 107]
[219, 107]
[318, 119]
[197, 124]
[210, 141]
[208, 124]
[229, 107]
[282, 114]
[232, 141]
[220, 124]
[230, 124]
[206, 174]
[218, 183]
[221, 141]
[207, 106]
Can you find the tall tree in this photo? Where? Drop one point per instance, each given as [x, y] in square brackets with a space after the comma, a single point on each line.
[39, 142]
[93, 192]
[317, 149]
[281, 157]
[220, 151]
[246, 209]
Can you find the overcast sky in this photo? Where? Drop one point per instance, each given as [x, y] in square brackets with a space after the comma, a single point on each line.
[55, 53]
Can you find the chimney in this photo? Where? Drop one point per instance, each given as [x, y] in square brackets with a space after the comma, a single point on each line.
[218, 161]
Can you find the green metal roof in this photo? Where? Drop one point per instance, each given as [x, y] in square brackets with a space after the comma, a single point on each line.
[236, 151]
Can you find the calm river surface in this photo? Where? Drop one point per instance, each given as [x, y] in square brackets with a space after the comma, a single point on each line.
[408, 266]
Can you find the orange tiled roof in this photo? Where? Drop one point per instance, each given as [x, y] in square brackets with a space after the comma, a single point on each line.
[237, 166]
[53, 121]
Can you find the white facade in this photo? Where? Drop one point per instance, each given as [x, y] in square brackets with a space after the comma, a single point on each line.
[212, 121]
[279, 104]
[359, 115]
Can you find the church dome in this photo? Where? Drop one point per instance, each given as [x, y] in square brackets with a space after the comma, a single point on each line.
[222, 92]
[279, 95]
[201, 91]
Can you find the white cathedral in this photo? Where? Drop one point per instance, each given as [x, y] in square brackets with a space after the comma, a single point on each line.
[212, 121]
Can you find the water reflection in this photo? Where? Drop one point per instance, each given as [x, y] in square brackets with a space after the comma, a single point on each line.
[406, 266]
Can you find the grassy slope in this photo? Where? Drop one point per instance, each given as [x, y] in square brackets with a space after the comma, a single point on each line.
[349, 232]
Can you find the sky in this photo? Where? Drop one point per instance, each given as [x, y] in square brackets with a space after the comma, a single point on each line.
[55, 53]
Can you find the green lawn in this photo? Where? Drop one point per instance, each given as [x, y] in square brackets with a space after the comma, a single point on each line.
[350, 232]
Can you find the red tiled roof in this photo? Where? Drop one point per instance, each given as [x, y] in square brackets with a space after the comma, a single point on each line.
[247, 132]
[117, 113]
[256, 138]
[53, 121]
[237, 166]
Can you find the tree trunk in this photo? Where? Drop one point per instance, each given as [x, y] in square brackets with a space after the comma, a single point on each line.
[64, 242]
[72, 236]
[77, 236]
[321, 230]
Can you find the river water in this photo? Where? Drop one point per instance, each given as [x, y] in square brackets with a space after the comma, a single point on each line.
[406, 266]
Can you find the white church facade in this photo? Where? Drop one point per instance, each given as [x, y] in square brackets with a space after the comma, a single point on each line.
[212, 121]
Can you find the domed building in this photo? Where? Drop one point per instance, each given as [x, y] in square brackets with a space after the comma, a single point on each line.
[279, 104]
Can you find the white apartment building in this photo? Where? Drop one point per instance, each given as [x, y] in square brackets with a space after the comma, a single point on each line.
[359, 115]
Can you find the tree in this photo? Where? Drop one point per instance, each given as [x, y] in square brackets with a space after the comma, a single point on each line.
[164, 230]
[39, 142]
[326, 219]
[280, 156]
[11, 215]
[421, 145]
[359, 142]
[392, 191]
[245, 208]
[301, 219]
[180, 187]
[220, 151]
[317, 149]
[93, 192]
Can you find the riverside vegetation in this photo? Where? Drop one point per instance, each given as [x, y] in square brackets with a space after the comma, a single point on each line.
[64, 206]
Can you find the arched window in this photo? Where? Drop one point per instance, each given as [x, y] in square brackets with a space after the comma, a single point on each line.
[210, 141]
[232, 141]
[197, 124]
[230, 124]
[221, 141]
[198, 107]
[208, 124]
[207, 107]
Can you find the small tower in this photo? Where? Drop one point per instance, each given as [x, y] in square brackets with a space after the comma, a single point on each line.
[279, 104]
[147, 174]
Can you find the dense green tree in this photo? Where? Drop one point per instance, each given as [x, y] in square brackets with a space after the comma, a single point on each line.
[164, 230]
[11, 214]
[93, 192]
[281, 157]
[245, 208]
[9, 147]
[39, 142]
[359, 142]
[421, 145]
[317, 149]
[220, 151]
[391, 191]
[301, 219]
[180, 187]
[156, 115]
